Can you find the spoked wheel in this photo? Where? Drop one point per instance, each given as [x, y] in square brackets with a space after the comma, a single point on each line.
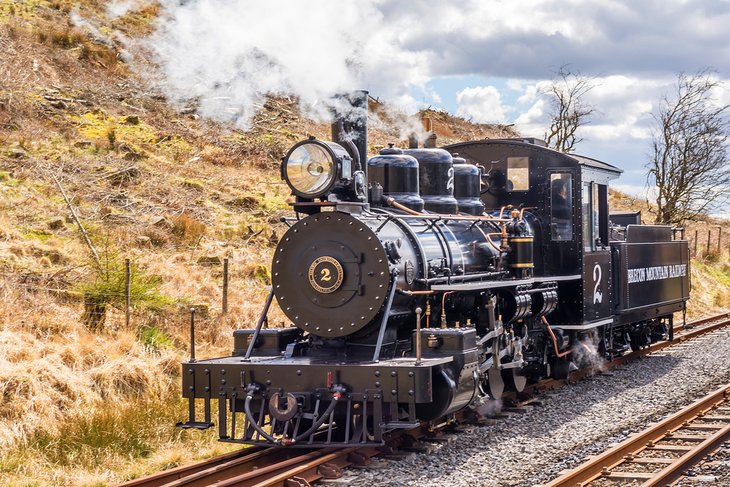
[496, 383]
[514, 379]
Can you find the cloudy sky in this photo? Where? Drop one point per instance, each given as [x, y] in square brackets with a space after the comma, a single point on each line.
[482, 59]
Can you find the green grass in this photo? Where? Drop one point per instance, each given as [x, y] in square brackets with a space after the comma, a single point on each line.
[154, 338]
[89, 441]
[719, 272]
[41, 235]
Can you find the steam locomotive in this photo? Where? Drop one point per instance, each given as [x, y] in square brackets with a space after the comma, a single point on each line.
[425, 281]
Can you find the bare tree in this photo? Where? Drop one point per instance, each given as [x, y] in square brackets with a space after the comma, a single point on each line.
[690, 141]
[568, 108]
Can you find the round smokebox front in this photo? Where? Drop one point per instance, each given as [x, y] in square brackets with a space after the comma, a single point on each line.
[330, 274]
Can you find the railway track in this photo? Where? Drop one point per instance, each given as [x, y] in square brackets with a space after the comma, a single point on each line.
[662, 453]
[261, 466]
[276, 466]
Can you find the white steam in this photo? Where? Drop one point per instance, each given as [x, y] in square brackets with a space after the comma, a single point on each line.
[226, 57]
[586, 354]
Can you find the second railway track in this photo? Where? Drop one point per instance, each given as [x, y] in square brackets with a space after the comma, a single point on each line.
[660, 454]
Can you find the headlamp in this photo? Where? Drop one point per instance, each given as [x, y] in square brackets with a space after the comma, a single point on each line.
[313, 168]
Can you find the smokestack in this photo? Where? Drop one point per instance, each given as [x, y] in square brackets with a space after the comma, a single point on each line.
[350, 125]
[430, 141]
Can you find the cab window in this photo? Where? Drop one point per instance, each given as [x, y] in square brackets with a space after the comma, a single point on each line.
[561, 206]
[518, 173]
[595, 215]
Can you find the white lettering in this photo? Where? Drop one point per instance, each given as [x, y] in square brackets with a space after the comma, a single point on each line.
[656, 273]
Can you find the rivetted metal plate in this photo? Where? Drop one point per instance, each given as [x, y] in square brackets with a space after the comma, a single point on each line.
[330, 274]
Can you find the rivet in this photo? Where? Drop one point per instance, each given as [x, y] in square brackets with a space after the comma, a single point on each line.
[299, 372]
[377, 373]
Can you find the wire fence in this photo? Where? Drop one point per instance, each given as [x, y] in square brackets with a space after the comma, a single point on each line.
[119, 290]
[709, 242]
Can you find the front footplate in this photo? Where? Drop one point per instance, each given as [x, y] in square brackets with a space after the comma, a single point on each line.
[305, 402]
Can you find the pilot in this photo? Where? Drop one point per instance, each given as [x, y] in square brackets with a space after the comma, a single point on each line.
[561, 210]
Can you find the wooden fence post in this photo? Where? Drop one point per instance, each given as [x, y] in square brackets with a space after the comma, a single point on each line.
[128, 291]
[225, 285]
[708, 240]
[695, 245]
[719, 237]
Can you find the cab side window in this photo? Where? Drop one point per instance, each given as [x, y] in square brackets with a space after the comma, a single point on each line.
[595, 215]
[561, 206]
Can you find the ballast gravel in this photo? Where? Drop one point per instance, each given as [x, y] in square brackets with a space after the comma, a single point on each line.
[531, 448]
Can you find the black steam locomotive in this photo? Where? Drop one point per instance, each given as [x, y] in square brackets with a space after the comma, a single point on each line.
[425, 281]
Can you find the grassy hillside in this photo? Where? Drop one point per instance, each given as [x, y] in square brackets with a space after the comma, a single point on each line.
[86, 399]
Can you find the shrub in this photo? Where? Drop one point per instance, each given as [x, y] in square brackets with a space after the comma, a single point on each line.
[109, 288]
[188, 228]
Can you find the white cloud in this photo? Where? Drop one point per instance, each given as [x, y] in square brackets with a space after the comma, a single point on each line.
[532, 123]
[482, 104]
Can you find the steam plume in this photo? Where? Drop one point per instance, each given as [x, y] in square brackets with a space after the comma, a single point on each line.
[226, 57]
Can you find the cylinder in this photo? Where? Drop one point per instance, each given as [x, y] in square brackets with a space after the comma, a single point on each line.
[436, 179]
[467, 187]
[397, 173]
[544, 302]
[521, 252]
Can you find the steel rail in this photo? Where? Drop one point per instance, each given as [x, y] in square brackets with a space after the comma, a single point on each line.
[603, 466]
[164, 477]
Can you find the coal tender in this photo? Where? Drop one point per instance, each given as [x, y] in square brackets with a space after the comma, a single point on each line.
[423, 282]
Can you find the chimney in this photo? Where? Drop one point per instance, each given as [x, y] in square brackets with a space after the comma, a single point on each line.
[350, 125]
[430, 141]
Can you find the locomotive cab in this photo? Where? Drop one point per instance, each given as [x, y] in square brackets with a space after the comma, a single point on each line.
[566, 200]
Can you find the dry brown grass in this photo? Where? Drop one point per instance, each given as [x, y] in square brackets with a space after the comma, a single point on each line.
[157, 186]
